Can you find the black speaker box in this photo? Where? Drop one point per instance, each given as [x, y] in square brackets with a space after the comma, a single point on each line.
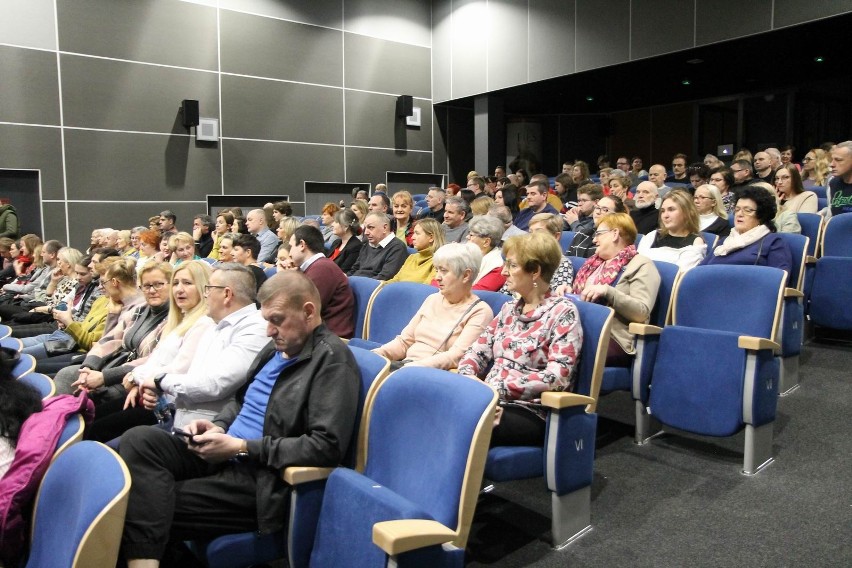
[404, 105]
[189, 109]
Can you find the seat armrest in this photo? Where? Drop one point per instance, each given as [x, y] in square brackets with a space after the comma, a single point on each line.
[559, 400]
[757, 343]
[793, 293]
[644, 329]
[810, 259]
[397, 537]
[298, 475]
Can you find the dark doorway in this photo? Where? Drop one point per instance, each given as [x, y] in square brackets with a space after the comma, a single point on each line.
[21, 189]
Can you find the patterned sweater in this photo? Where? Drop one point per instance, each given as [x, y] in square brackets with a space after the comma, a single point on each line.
[531, 353]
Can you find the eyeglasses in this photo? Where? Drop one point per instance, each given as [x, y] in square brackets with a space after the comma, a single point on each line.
[209, 287]
[599, 209]
[153, 286]
[602, 231]
[704, 197]
[736, 171]
[745, 210]
[477, 235]
[808, 160]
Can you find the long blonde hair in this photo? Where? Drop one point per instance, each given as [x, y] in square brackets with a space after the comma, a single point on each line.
[178, 321]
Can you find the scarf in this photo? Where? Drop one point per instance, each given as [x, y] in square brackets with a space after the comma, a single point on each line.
[737, 241]
[608, 273]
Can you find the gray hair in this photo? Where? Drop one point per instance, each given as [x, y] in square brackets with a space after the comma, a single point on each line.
[137, 230]
[460, 203]
[240, 280]
[382, 217]
[458, 257]
[488, 226]
[616, 173]
[847, 145]
[502, 213]
[718, 206]
[70, 255]
[773, 153]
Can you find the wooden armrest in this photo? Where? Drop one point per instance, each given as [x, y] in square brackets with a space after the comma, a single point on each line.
[644, 329]
[810, 259]
[793, 293]
[757, 343]
[396, 537]
[559, 400]
[299, 475]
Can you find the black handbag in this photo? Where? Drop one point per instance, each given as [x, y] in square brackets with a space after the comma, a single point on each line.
[60, 346]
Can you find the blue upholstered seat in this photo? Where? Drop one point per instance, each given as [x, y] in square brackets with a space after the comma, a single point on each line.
[793, 316]
[832, 286]
[566, 461]
[428, 434]
[26, 364]
[392, 307]
[42, 383]
[77, 522]
[495, 300]
[363, 289]
[715, 371]
[565, 240]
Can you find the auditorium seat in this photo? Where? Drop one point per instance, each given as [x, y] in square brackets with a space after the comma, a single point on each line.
[793, 314]
[363, 289]
[832, 285]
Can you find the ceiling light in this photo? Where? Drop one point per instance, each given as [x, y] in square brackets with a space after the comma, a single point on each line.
[685, 82]
[819, 58]
[590, 98]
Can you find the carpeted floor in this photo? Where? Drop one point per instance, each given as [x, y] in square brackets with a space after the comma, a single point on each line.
[681, 501]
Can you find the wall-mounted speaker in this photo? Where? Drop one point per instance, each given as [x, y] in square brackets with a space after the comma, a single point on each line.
[404, 106]
[189, 109]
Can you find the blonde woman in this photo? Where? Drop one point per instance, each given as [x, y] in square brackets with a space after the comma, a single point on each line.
[418, 267]
[815, 166]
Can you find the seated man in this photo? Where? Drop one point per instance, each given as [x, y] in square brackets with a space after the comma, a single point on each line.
[245, 251]
[338, 302]
[226, 477]
[384, 254]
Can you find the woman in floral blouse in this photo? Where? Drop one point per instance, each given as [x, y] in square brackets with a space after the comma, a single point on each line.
[531, 346]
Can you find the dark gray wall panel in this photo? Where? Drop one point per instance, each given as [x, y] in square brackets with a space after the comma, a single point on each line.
[387, 67]
[442, 38]
[368, 165]
[34, 148]
[29, 23]
[507, 59]
[319, 12]
[267, 47]
[371, 121]
[29, 86]
[603, 33]
[278, 169]
[272, 110]
[460, 143]
[54, 224]
[469, 49]
[117, 95]
[790, 12]
[88, 216]
[120, 166]
[552, 45]
[718, 20]
[406, 21]
[661, 26]
[156, 31]
[439, 142]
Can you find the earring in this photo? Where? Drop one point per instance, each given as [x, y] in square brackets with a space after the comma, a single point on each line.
[535, 284]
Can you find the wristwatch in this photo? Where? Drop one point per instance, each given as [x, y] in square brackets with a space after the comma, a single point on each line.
[243, 452]
[157, 380]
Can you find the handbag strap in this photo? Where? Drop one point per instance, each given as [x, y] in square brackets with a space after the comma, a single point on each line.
[452, 329]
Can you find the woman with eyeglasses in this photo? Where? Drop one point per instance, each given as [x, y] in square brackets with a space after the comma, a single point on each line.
[583, 243]
[676, 240]
[712, 217]
[486, 232]
[133, 337]
[791, 194]
[815, 169]
[618, 277]
[185, 326]
[753, 240]
[723, 179]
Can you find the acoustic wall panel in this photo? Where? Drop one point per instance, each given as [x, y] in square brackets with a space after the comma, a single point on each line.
[442, 53]
[371, 165]
[603, 33]
[155, 31]
[552, 38]
[508, 58]
[371, 121]
[29, 88]
[386, 67]
[718, 20]
[405, 21]
[328, 13]
[661, 26]
[34, 148]
[791, 12]
[470, 54]
[266, 47]
[54, 222]
[28, 23]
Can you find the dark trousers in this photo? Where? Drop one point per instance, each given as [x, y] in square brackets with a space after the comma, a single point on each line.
[518, 427]
[112, 420]
[177, 495]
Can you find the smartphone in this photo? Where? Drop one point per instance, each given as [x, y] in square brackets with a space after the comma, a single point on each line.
[61, 306]
[183, 434]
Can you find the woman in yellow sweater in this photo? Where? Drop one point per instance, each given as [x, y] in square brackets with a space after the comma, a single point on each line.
[428, 237]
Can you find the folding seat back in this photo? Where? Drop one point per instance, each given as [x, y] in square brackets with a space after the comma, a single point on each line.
[711, 239]
[495, 300]
[837, 238]
[812, 225]
[793, 314]
[363, 289]
[393, 307]
[565, 240]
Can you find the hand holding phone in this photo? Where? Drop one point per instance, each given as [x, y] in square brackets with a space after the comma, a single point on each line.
[185, 435]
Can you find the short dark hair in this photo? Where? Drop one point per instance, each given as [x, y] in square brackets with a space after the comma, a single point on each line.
[384, 198]
[206, 220]
[312, 237]
[744, 164]
[698, 169]
[283, 207]
[52, 246]
[169, 215]
[248, 242]
[765, 201]
[680, 155]
[540, 185]
[105, 252]
[726, 173]
[478, 181]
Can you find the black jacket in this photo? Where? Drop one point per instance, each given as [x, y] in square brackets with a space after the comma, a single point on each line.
[349, 255]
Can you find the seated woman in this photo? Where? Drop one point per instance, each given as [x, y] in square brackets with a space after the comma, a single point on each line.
[712, 217]
[531, 346]
[359, 207]
[723, 179]
[283, 261]
[428, 340]
[224, 220]
[345, 250]
[486, 233]
[617, 277]
[149, 246]
[815, 169]
[792, 196]
[183, 246]
[134, 337]
[419, 267]
[551, 225]
[753, 241]
[508, 196]
[329, 210]
[186, 324]
[122, 244]
[403, 222]
[619, 186]
[677, 240]
[286, 227]
[120, 294]
[583, 243]
[226, 247]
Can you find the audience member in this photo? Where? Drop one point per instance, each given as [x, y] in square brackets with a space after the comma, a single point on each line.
[256, 224]
[508, 196]
[763, 168]
[403, 221]
[583, 244]
[636, 167]
[345, 250]
[329, 210]
[677, 240]
[580, 217]
[418, 267]
[486, 233]
[509, 229]
[840, 187]
[657, 176]
[167, 223]
[712, 217]
[815, 169]
[434, 204]
[456, 211]
[184, 248]
[792, 197]
[551, 225]
[359, 207]
[245, 251]
[383, 254]
[679, 173]
[645, 215]
[380, 203]
[537, 203]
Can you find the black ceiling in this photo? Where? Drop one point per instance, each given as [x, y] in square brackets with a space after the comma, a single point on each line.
[770, 61]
